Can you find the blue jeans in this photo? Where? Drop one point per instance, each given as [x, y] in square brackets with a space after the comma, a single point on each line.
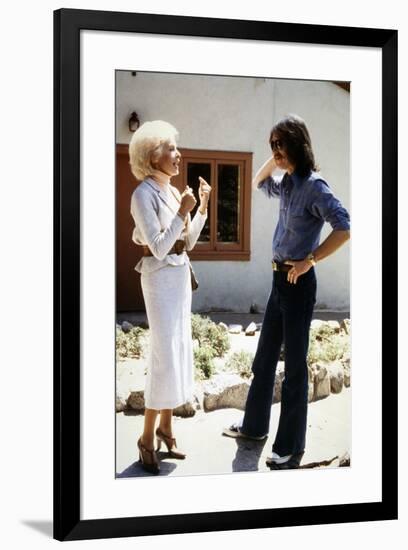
[287, 319]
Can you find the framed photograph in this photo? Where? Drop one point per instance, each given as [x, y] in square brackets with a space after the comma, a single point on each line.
[222, 85]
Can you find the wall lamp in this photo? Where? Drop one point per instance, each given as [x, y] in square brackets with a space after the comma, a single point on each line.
[134, 122]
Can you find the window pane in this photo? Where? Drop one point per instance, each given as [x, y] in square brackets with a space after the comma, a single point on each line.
[203, 169]
[228, 203]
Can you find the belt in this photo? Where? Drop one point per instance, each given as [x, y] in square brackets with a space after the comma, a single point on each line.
[178, 248]
[279, 266]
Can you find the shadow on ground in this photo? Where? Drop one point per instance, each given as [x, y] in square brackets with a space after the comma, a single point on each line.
[136, 469]
[248, 455]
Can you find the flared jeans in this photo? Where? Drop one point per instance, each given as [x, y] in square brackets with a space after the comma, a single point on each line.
[287, 320]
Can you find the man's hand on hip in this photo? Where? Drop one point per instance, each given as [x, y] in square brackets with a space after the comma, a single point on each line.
[298, 269]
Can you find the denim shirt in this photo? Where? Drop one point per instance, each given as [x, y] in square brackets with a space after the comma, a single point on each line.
[305, 204]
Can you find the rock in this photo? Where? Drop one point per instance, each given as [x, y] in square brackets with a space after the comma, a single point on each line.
[223, 325]
[254, 308]
[135, 401]
[225, 391]
[310, 393]
[345, 325]
[144, 325]
[321, 381]
[122, 392]
[198, 396]
[344, 461]
[336, 374]
[334, 326]
[279, 377]
[120, 403]
[250, 330]
[188, 409]
[347, 379]
[126, 326]
[345, 361]
[235, 329]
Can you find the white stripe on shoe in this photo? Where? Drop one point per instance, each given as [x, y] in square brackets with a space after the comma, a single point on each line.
[277, 459]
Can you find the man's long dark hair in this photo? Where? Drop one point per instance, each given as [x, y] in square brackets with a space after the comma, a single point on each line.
[293, 132]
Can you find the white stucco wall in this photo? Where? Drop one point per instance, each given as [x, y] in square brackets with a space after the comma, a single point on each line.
[236, 114]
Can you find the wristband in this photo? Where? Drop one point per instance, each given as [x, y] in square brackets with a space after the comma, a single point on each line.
[310, 258]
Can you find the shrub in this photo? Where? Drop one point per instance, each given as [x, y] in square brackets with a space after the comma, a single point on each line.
[210, 334]
[241, 362]
[326, 345]
[129, 344]
[323, 332]
[203, 361]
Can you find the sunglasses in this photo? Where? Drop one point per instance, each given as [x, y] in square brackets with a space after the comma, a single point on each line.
[276, 144]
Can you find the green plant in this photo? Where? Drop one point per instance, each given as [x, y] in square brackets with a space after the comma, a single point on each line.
[210, 334]
[323, 332]
[203, 361]
[241, 362]
[130, 344]
[326, 345]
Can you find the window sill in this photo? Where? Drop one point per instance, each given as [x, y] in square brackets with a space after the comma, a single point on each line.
[220, 255]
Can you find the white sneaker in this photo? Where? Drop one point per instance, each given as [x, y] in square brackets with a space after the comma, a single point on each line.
[277, 459]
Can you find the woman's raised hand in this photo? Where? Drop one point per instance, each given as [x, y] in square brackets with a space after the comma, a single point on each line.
[204, 193]
[188, 201]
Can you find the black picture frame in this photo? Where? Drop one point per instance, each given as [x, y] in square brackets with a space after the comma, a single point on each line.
[67, 292]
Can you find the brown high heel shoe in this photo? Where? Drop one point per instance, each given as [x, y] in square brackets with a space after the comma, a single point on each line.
[148, 459]
[170, 443]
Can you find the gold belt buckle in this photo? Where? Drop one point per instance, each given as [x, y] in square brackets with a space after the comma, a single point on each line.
[274, 266]
[179, 247]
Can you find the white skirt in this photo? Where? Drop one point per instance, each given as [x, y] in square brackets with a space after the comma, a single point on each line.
[167, 295]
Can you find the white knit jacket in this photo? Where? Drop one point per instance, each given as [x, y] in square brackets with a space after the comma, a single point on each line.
[158, 226]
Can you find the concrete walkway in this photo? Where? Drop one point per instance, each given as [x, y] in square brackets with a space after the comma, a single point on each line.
[209, 452]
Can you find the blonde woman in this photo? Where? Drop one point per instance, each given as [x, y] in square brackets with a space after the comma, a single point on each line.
[164, 227]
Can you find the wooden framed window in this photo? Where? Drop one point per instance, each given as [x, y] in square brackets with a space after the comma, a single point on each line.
[226, 234]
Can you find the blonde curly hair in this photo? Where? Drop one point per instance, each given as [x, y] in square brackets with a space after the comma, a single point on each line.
[146, 146]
